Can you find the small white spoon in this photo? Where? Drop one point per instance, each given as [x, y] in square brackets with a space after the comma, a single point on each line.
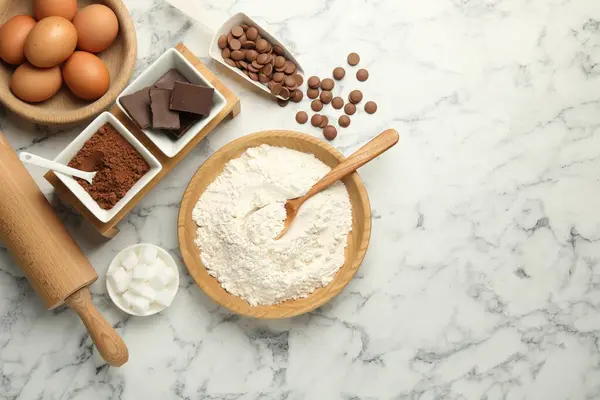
[54, 166]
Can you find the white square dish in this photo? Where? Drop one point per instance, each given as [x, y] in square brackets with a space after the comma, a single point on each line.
[238, 19]
[172, 59]
[73, 148]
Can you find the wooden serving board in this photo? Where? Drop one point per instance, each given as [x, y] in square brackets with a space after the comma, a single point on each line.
[109, 229]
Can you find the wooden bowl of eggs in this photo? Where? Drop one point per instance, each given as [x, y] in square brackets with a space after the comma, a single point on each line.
[64, 61]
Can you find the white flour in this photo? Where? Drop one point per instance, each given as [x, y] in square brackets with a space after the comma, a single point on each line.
[237, 243]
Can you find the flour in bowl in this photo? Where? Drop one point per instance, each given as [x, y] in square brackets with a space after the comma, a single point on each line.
[242, 211]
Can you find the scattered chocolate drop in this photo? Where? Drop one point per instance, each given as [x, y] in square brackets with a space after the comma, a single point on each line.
[330, 132]
[301, 117]
[327, 84]
[371, 107]
[314, 82]
[316, 105]
[326, 97]
[339, 73]
[316, 120]
[353, 59]
[355, 96]
[350, 109]
[337, 103]
[344, 121]
[362, 74]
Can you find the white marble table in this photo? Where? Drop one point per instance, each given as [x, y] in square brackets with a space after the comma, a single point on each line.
[482, 280]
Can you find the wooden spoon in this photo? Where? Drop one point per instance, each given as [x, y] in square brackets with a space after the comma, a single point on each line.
[368, 152]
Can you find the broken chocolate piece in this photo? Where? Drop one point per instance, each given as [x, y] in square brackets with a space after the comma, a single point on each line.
[167, 81]
[162, 116]
[137, 106]
[192, 98]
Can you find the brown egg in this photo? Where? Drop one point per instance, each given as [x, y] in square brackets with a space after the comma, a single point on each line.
[33, 84]
[97, 27]
[13, 35]
[55, 8]
[51, 41]
[86, 75]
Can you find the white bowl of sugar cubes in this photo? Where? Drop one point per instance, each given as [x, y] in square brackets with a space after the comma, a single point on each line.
[142, 280]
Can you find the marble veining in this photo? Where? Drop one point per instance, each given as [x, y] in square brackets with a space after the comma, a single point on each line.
[482, 280]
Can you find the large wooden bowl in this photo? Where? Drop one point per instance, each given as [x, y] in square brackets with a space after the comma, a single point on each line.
[64, 107]
[358, 239]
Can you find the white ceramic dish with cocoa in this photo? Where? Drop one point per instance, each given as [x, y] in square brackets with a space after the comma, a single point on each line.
[73, 148]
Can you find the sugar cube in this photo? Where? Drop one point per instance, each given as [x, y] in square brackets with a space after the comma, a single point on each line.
[143, 289]
[162, 278]
[143, 272]
[119, 279]
[129, 260]
[137, 303]
[164, 298]
[149, 254]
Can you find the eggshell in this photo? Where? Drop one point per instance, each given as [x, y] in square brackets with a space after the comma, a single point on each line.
[55, 8]
[86, 75]
[34, 84]
[97, 28]
[13, 35]
[50, 42]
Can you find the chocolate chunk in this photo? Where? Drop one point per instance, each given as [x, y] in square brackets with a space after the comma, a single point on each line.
[350, 109]
[339, 73]
[327, 84]
[337, 103]
[137, 106]
[344, 121]
[362, 74]
[162, 115]
[167, 81]
[330, 132]
[194, 99]
[353, 59]
[355, 96]
[301, 117]
[371, 107]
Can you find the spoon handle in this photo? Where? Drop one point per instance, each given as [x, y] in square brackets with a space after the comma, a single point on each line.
[369, 151]
[54, 166]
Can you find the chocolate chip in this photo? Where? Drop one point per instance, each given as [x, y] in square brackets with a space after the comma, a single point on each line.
[297, 96]
[235, 44]
[350, 109]
[263, 59]
[327, 84]
[299, 79]
[257, 65]
[330, 132]
[278, 77]
[362, 74]
[289, 81]
[285, 93]
[251, 68]
[270, 84]
[262, 78]
[326, 97]
[238, 55]
[253, 76]
[324, 122]
[337, 103]
[290, 67]
[237, 31]
[251, 55]
[278, 50]
[301, 117]
[226, 53]
[276, 89]
[353, 59]
[314, 82]
[248, 44]
[355, 96]
[222, 42]
[262, 45]
[252, 33]
[371, 107]
[268, 70]
[282, 103]
[279, 62]
[339, 73]
[229, 37]
[316, 105]
[230, 62]
[316, 120]
[344, 121]
[312, 93]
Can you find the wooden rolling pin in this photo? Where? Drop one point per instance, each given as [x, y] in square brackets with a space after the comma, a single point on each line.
[53, 263]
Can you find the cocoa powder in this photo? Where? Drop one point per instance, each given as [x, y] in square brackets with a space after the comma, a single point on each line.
[119, 167]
